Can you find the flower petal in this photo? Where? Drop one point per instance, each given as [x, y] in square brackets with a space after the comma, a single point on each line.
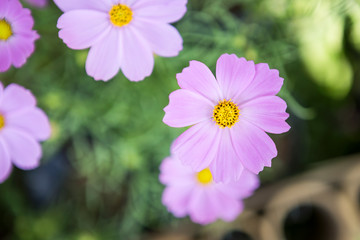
[267, 113]
[163, 38]
[227, 166]
[18, 53]
[24, 151]
[198, 78]
[138, 58]
[250, 180]
[1, 90]
[5, 163]
[21, 47]
[198, 145]
[3, 7]
[200, 208]
[22, 22]
[253, 146]
[5, 57]
[16, 98]
[234, 75]
[176, 199]
[38, 3]
[10, 8]
[104, 58]
[33, 121]
[160, 10]
[68, 5]
[228, 207]
[186, 108]
[242, 188]
[81, 29]
[172, 172]
[266, 82]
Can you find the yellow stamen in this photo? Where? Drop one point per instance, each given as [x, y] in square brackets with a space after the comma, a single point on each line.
[204, 176]
[2, 121]
[120, 15]
[226, 113]
[5, 30]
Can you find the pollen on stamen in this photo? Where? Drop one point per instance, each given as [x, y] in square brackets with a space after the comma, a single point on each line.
[2, 121]
[204, 176]
[5, 30]
[120, 15]
[226, 113]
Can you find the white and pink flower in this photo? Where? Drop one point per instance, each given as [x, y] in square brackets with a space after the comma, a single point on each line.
[17, 38]
[22, 126]
[229, 115]
[121, 34]
[197, 195]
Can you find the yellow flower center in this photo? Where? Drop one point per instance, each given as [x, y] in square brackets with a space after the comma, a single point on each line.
[226, 113]
[2, 121]
[5, 30]
[120, 15]
[204, 176]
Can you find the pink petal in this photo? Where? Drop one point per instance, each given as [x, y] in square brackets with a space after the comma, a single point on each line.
[5, 163]
[227, 166]
[266, 83]
[247, 184]
[22, 22]
[234, 74]
[81, 29]
[33, 121]
[68, 5]
[160, 10]
[232, 209]
[172, 172]
[200, 208]
[38, 3]
[16, 98]
[18, 56]
[242, 188]
[3, 7]
[229, 207]
[1, 91]
[104, 58]
[186, 108]
[138, 58]
[21, 47]
[163, 38]
[198, 78]
[5, 57]
[253, 146]
[129, 3]
[267, 113]
[198, 145]
[10, 8]
[176, 199]
[24, 151]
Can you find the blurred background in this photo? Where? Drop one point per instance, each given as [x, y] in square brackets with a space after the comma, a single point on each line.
[99, 174]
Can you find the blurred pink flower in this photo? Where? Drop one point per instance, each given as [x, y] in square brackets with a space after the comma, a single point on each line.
[16, 35]
[22, 125]
[121, 34]
[230, 115]
[38, 3]
[197, 195]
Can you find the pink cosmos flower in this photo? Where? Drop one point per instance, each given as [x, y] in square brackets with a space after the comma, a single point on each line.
[121, 34]
[38, 3]
[22, 125]
[197, 195]
[16, 35]
[229, 114]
